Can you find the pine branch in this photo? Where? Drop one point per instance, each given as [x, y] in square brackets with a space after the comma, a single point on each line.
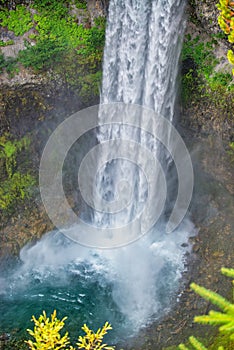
[214, 298]
[227, 272]
[196, 344]
[214, 318]
[183, 347]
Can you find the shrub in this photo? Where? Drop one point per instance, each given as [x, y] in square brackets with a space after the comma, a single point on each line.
[47, 335]
[43, 55]
[226, 23]
[224, 318]
[9, 64]
[93, 341]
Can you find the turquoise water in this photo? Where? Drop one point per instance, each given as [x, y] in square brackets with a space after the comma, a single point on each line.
[129, 287]
[77, 290]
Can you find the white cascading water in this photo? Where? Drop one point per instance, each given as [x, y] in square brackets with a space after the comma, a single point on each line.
[143, 42]
[141, 60]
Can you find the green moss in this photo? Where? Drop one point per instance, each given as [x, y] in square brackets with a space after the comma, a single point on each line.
[86, 81]
[15, 186]
[90, 85]
[14, 189]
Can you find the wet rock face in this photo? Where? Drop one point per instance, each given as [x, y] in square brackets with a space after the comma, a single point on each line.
[205, 119]
[97, 8]
[11, 4]
[25, 227]
[207, 14]
[35, 110]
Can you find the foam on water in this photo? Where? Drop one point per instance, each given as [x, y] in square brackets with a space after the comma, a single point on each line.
[129, 286]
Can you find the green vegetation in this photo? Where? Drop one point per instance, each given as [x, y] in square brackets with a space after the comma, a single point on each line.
[47, 335]
[94, 340]
[9, 64]
[58, 43]
[224, 318]
[6, 43]
[200, 67]
[201, 53]
[195, 343]
[19, 20]
[200, 81]
[82, 4]
[226, 23]
[202, 56]
[41, 56]
[15, 185]
[206, 80]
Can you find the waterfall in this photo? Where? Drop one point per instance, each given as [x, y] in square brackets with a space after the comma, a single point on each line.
[143, 44]
[133, 285]
[141, 59]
